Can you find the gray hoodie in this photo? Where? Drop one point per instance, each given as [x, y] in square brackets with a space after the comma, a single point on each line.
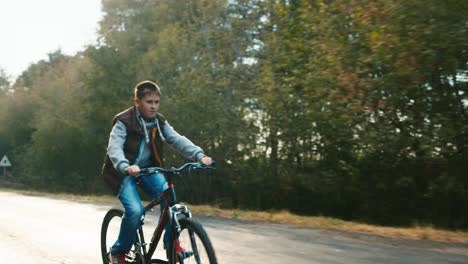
[118, 135]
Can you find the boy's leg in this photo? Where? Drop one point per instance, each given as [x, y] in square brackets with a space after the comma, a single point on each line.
[133, 210]
[154, 185]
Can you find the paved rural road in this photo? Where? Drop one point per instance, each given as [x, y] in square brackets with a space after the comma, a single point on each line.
[41, 230]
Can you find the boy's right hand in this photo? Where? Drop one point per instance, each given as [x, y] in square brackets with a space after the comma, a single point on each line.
[132, 170]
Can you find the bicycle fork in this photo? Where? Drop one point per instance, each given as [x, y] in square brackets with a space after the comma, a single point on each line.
[176, 211]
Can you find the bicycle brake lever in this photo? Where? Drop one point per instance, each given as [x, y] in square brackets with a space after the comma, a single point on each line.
[212, 165]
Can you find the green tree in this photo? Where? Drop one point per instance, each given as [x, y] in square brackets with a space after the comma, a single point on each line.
[46, 121]
[4, 102]
[397, 75]
[194, 50]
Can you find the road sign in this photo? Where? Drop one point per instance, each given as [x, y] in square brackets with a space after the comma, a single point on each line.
[5, 162]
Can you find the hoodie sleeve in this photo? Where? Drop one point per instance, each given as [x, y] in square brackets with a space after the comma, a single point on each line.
[116, 145]
[182, 144]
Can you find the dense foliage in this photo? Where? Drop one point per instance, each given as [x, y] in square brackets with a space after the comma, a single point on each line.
[352, 109]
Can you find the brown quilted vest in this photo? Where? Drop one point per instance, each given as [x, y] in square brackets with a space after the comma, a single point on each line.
[135, 135]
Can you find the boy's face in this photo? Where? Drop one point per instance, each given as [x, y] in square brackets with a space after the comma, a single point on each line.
[148, 105]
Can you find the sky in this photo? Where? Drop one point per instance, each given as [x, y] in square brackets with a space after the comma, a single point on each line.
[30, 29]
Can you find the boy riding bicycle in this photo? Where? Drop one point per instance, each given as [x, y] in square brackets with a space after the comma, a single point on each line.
[136, 141]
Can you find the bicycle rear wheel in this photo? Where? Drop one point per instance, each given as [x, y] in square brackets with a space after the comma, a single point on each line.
[191, 245]
[109, 232]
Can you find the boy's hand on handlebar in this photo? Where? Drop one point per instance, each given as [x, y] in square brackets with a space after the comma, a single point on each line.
[132, 170]
[207, 161]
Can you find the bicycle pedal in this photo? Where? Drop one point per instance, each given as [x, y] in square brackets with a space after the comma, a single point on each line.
[184, 255]
[187, 254]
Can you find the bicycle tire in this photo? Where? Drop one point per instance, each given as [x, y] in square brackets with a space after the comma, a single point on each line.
[105, 240]
[111, 224]
[190, 236]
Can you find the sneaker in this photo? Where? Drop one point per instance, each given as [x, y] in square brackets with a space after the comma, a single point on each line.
[118, 259]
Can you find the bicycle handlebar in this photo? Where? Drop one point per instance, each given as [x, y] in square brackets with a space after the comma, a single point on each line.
[173, 170]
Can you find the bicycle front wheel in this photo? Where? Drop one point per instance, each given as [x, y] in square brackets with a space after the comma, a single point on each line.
[191, 245]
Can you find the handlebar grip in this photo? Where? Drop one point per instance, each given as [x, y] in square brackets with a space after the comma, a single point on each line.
[203, 166]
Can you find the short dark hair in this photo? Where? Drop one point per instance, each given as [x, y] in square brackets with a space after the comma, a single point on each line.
[146, 87]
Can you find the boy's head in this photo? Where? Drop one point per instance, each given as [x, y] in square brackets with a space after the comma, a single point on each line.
[146, 87]
[147, 96]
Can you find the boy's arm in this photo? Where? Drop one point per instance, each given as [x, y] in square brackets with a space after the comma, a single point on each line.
[115, 147]
[182, 144]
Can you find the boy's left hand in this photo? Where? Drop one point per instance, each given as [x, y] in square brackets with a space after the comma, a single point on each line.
[206, 161]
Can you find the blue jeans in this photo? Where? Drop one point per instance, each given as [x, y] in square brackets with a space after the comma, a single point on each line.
[152, 185]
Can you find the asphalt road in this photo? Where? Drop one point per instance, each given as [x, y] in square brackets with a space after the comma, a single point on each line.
[43, 230]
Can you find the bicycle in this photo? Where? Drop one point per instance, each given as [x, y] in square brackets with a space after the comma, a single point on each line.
[187, 233]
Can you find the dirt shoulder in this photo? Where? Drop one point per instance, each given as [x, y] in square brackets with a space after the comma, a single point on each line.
[284, 217]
